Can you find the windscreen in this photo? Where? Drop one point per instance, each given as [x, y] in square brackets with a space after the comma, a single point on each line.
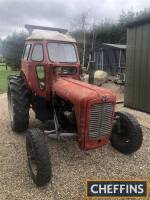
[62, 52]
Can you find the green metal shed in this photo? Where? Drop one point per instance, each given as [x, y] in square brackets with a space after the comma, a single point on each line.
[137, 87]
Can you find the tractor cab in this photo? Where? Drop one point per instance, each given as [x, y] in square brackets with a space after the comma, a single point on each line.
[49, 53]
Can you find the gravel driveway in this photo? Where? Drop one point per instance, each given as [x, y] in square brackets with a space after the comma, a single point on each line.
[70, 165]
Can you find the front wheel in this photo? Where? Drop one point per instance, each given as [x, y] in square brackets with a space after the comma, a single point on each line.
[126, 134]
[38, 157]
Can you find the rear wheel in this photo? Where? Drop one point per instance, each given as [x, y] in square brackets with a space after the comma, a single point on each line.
[38, 157]
[18, 103]
[126, 134]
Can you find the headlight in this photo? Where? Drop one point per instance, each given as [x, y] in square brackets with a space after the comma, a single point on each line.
[58, 70]
[65, 70]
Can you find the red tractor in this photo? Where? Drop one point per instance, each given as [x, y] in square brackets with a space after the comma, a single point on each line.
[49, 83]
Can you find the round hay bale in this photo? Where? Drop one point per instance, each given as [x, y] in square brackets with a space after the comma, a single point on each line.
[100, 77]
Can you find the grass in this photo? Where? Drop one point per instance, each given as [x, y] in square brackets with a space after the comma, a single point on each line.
[3, 77]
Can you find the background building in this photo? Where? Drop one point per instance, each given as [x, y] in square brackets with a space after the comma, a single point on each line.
[110, 58]
[137, 92]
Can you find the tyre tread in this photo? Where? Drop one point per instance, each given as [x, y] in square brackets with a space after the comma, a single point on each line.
[40, 145]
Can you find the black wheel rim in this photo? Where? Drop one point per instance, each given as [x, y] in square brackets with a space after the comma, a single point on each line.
[31, 158]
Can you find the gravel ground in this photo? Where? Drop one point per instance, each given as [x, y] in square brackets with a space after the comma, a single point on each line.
[70, 165]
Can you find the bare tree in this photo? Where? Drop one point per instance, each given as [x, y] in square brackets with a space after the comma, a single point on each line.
[84, 23]
[81, 22]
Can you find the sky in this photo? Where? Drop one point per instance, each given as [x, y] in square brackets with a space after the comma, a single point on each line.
[60, 13]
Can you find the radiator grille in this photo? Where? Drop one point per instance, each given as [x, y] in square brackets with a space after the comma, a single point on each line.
[100, 120]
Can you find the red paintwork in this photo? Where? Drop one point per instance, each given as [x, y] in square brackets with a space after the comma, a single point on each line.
[82, 96]
[29, 72]
[70, 88]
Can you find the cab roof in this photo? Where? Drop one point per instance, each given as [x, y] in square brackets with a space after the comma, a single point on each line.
[50, 35]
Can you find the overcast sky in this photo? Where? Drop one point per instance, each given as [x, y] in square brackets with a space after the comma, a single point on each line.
[60, 13]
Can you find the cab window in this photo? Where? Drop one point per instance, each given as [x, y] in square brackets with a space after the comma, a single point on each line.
[62, 52]
[37, 54]
[26, 51]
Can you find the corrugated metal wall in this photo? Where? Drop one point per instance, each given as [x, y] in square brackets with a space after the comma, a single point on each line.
[137, 91]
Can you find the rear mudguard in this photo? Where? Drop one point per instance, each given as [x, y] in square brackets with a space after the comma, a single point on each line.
[83, 96]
